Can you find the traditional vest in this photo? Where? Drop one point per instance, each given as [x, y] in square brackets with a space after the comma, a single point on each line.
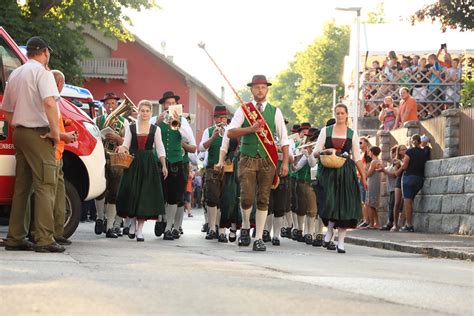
[172, 142]
[304, 173]
[149, 140]
[250, 145]
[117, 127]
[214, 148]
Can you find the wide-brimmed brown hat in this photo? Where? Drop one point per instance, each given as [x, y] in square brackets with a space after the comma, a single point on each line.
[220, 110]
[109, 95]
[168, 95]
[259, 79]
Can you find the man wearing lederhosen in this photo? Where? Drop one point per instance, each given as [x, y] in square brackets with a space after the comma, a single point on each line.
[113, 175]
[176, 142]
[257, 163]
[211, 142]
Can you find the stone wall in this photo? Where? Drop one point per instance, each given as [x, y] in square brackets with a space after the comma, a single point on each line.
[446, 202]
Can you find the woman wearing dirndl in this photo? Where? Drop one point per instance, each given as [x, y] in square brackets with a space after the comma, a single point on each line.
[342, 205]
[140, 196]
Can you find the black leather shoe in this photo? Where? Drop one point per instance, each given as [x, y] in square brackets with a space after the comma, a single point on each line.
[104, 227]
[159, 228]
[110, 234]
[244, 238]
[288, 232]
[232, 235]
[254, 232]
[329, 245]
[318, 241]
[294, 234]
[308, 239]
[99, 227]
[176, 234]
[275, 241]
[25, 246]
[181, 231]
[266, 236]
[283, 232]
[168, 235]
[54, 247]
[259, 245]
[211, 235]
[339, 250]
[222, 238]
[131, 236]
[125, 231]
[141, 239]
[299, 236]
[118, 231]
[63, 241]
[204, 228]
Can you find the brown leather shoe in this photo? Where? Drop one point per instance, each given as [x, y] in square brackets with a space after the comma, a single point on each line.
[25, 246]
[63, 241]
[54, 247]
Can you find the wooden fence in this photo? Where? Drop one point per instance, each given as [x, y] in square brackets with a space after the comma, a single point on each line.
[434, 129]
[466, 132]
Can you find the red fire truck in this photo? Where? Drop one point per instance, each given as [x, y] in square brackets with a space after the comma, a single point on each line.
[84, 160]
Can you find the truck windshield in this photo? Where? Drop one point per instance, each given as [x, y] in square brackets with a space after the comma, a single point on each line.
[8, 62]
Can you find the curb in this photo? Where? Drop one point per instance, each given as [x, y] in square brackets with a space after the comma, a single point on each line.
[427, 251]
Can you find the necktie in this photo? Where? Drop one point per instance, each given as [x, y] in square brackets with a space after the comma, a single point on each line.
[259, 107]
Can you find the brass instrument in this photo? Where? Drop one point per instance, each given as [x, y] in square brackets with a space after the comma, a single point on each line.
[170, 120]
[221, 128]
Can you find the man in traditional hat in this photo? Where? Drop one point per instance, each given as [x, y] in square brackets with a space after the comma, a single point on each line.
[113, 175]
[177, 143]
[256, 124]
[211, 142]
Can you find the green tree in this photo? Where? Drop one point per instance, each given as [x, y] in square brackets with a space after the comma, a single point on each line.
[297, 89]
[60, 22]
[377, 16]
[453, 14]
[245, 94]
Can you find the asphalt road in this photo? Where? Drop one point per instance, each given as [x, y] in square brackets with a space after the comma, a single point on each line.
[191, 276]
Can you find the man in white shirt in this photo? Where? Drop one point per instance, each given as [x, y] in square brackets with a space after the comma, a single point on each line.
[30, 105]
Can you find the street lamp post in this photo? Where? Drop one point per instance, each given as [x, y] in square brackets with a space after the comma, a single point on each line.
[357, 66]
[333, 87]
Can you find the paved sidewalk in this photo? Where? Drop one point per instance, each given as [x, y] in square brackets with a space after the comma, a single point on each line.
[431, 245]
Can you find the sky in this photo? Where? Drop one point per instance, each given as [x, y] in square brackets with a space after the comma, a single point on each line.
[245, 37]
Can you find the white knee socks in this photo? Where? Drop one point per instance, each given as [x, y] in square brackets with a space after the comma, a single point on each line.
[269, 223]
[100, 205]
[329, 233]
[295, 220]
[341, 235]
[212, 217]
[311, 225]
[218, 217]
[133, 226]
[319, 225]
[260, 219]
[178, 217]
[277, 225]
[289, 219]
[246, 218]
[300, 220]
[110, 212]
[170, 211]
[140, 224]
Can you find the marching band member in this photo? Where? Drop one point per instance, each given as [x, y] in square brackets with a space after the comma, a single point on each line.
[140, 196]
[255, 123]
[175, 141]
[112, 174]
[342, 207]
[214, 178]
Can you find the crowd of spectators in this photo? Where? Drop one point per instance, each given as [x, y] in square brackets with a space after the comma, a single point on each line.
[433, 81]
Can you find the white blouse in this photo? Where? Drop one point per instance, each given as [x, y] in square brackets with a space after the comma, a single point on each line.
[322, 139]
[159, 147]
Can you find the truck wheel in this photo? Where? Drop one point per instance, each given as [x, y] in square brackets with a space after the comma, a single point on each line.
[73, 209]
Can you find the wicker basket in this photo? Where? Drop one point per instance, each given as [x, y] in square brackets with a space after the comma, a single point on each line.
[332, 161]
[122, 161]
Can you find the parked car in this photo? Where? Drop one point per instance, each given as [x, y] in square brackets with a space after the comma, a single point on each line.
[84, 160]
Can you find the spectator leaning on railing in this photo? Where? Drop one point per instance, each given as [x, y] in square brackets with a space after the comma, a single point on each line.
[408, 109]
[388, 114]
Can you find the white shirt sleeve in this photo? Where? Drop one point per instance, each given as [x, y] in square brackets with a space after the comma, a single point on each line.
[204, 138]
[126, 124]
[8, 103]
[237, 120]
[320, 141]
[356, 147]
[312, 162]
[301, 163]
[127, 140]
[153, 120]
[47, 85]
[187, 132]
[281, 128]
[225, 142]
[159, 147]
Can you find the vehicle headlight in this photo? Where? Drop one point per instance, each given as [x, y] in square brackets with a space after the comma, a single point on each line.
[93, 129]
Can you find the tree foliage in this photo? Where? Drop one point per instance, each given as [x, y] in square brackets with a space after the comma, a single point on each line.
[377, 16]
[60, 23]
[453, 14]
[297, 89]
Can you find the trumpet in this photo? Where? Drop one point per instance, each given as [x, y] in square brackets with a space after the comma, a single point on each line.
[299, 152]
[174, 123]
[221, 128]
